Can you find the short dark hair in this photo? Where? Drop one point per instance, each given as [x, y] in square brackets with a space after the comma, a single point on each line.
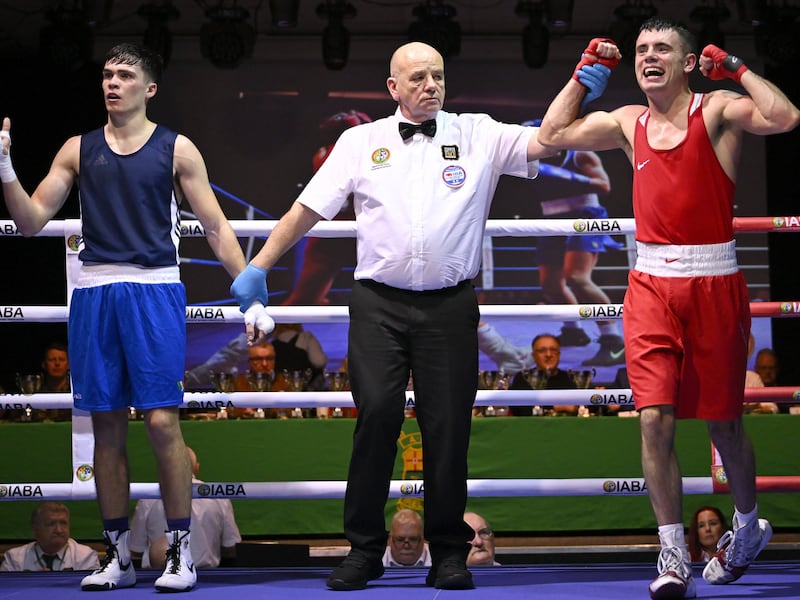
[45, 507]
[665, 24]
[60, 346]
[133, 54]
[545, 335]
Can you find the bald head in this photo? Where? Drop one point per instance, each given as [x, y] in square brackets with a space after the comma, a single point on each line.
[193, 460]
[416, 81]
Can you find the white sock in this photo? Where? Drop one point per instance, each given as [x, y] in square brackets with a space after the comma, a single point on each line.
[672, 535]
[744, 519]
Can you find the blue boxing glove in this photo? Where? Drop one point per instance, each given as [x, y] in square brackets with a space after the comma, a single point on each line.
[250, 286]
[594, 77]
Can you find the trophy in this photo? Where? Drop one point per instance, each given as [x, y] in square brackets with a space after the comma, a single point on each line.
[488, 379]
[29, 384]
[583, 378]
[536, 378]
[260, 382]
[224, 381]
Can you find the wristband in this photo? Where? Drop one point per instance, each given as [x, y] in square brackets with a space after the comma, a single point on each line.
[7, 174]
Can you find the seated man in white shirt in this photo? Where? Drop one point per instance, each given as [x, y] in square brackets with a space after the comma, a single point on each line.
[481, 554]
[406, 547]
[214, 530]
[53, 549]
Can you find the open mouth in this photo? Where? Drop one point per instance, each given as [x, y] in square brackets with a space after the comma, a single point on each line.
[652, 72]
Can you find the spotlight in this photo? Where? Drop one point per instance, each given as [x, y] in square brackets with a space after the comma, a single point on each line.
[535, 36]
[436, 27]
[284, 13]
[66, 41]
[559, 15]
[625, 29]
[157, 36]
[335, 37]
[710, 16]
[227, 39]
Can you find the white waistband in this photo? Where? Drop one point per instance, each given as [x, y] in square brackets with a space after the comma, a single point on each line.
[562, 205]
[96, 275]
[703, 260]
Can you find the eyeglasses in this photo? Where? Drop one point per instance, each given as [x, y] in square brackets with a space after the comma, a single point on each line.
[257, 359]
[485, 533]
[413, 540]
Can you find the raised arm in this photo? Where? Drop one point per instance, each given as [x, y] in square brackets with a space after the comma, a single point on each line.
[31, 213]
[562, 128]
[765, 110]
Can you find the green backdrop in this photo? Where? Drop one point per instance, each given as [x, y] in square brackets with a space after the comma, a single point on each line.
[502, 448]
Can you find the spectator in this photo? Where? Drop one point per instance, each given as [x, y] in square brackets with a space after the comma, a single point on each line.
[705, 529]
[214, 530]
[482, 550]
[546, 353]
[767, 366]
[753, 380]
[407, 546]
[299, 350]
[261, 377]
[52, 549]
[55, 379]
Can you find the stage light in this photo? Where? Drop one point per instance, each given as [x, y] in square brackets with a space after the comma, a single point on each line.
[227, 39]
[710, 15]
[625, 29]
[535, 36]
[157, 36]
[559, 15]
[284, 13]
[435, 26]
[335, 37]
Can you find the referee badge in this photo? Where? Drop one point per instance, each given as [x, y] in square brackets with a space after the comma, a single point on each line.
[454, 176]
[450, 152]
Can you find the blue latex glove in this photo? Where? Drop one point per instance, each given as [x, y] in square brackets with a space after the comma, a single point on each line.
[594, 78]
[250, 286]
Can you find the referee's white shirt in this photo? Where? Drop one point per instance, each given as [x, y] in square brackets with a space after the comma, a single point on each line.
[421, 205]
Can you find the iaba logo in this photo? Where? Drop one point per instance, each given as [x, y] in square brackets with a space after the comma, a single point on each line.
[74, 242]
[203, 489]
[221, 489]
[625, 486]
[84, 473]
[796, 395]
[412, 489]
[777, 221]
[720, 476]
[579, 226]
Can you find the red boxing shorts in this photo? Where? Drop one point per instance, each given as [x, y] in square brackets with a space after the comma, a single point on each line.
[686, 343]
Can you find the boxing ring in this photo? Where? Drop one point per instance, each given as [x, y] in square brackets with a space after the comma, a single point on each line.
[764, 579]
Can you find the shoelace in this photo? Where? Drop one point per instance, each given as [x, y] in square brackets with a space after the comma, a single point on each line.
[111, 552]
[174, 557]
[738, 552]
[671, 559]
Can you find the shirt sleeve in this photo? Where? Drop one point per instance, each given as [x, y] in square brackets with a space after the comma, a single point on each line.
[230, 531]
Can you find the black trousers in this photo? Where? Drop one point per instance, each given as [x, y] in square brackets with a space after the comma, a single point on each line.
[434, 335]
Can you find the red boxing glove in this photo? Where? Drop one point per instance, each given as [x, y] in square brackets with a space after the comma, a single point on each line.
[591, 50]
[725, 65]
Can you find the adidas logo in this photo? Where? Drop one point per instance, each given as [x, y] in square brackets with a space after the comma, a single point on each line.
[100, 161]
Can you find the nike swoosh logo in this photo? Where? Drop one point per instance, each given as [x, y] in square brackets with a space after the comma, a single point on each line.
[640, 166]
[671, 260]
[616, 355]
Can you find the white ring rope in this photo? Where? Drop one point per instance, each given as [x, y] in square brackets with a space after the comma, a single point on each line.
[494, 227]
[216, 400]
[398, 488]
[339, 314]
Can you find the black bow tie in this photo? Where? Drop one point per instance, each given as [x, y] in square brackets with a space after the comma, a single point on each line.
[409, 129]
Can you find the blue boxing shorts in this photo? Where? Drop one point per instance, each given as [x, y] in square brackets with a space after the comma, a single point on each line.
[550, 250]
[127, 345]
